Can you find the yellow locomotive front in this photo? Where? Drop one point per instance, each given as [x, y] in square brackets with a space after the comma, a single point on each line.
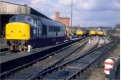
[17, 33]
[100, 33]
[92, 32]
[79, 33]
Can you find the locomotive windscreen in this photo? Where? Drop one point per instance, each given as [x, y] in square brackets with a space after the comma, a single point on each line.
[19, 18]
[22, 18]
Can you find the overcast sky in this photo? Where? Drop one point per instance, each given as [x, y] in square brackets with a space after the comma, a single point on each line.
[85, 12]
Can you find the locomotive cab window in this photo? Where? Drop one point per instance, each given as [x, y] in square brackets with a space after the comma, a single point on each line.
[51, 28]
[54, 28]
[35, 23]
[13, 19]
[44, 30]
[30, 21]
[21, 18]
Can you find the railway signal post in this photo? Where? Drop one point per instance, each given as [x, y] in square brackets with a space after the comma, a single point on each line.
[108, 65]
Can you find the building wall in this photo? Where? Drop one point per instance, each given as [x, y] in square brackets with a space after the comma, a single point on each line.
[68, 31]
[65, 21]
[57, 16]
[11, 8]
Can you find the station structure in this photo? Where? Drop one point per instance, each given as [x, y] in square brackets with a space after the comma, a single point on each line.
[8, 10]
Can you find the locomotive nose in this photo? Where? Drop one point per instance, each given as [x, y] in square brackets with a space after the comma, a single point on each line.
[17, 31]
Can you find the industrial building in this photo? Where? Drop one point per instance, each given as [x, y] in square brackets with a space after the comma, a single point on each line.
[64, 20]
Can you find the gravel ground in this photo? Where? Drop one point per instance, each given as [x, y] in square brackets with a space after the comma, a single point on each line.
[96, 72]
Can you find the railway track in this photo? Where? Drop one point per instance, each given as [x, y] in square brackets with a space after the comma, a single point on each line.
[46, 58]
[2, 53]
[5, 51]
[71, 69]
[3, 47]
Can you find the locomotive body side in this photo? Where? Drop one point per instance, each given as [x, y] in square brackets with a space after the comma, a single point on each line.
[33, 30]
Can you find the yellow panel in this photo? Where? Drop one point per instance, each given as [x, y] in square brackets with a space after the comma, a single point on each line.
[18, 31]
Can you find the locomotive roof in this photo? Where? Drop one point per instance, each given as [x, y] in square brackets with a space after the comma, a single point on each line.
[44, 19]
[47, 20]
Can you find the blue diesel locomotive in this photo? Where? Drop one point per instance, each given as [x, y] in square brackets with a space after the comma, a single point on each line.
[23, 30]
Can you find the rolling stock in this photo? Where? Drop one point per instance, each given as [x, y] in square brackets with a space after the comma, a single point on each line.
[24, 30]
[79, 33]
[92, 32]
[100, 33]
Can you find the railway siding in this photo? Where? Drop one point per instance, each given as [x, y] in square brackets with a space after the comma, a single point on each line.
[49, 61]
[53, 73]
[28, 58]
[96, 72]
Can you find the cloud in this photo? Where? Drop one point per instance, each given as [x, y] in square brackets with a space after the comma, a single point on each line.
[102, 18]
[67, 2]
[85, 12]
[98, 5]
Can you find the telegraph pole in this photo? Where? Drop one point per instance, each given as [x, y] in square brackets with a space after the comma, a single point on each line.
[71, 13]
